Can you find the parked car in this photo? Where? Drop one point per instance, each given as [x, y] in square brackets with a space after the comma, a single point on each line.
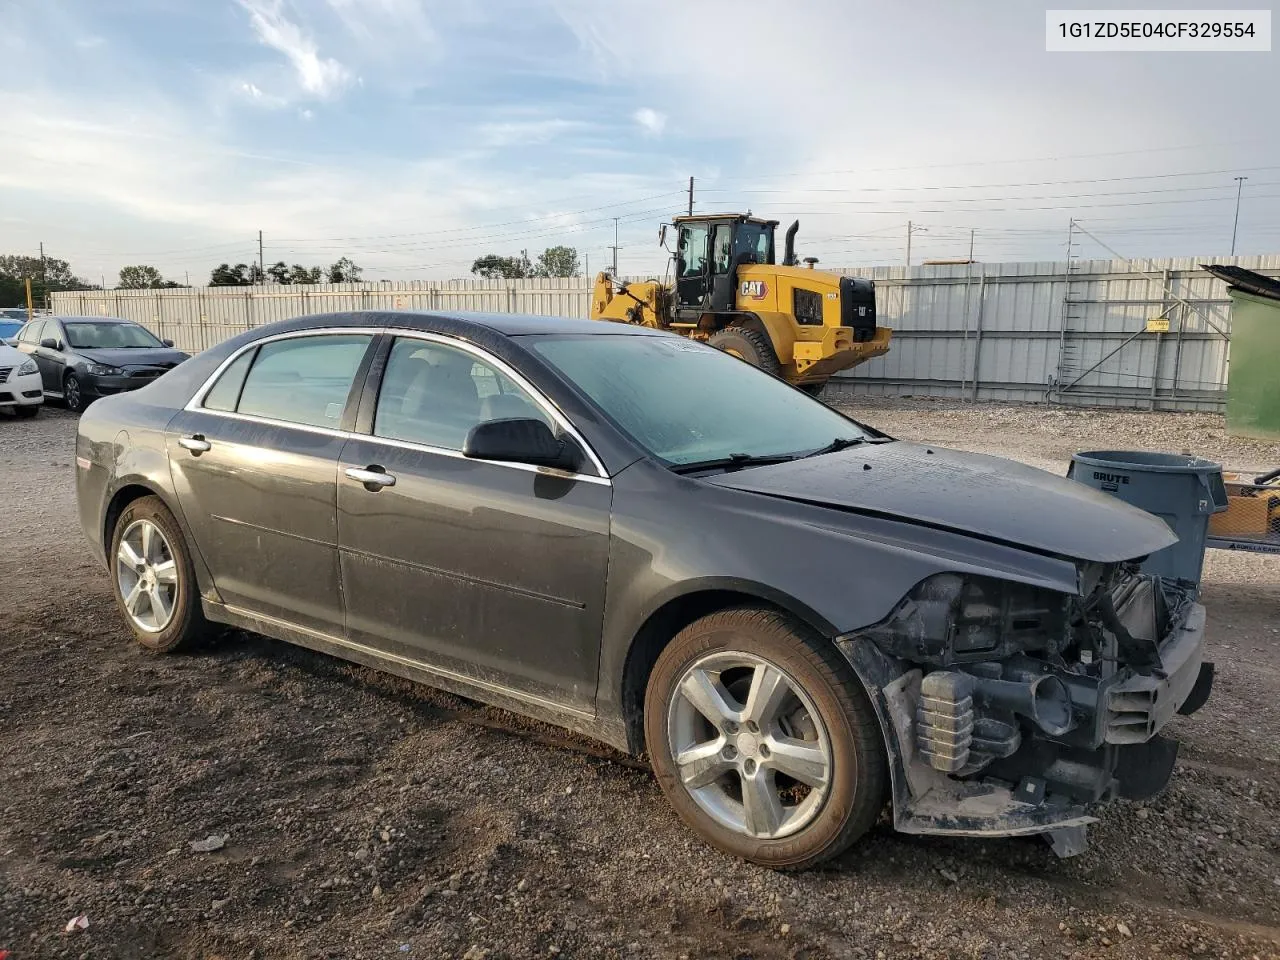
[11, 321]
[20, 389]
[649, 541]
[83, 358]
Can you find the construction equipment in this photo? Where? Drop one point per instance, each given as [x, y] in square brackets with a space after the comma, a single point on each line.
[797, 323]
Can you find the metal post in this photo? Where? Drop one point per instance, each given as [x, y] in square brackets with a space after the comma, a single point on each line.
[691, 196]
[977, 332]
[262, 264]
[971, 246]
[1164, 312]
[908, 243]
[1236, 222]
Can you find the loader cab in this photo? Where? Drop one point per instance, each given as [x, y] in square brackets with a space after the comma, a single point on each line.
[709, 250]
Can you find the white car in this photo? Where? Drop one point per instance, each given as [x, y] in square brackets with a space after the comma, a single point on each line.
[20, 388]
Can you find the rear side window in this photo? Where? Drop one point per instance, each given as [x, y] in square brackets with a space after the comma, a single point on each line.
[303, 380]
[225, 393]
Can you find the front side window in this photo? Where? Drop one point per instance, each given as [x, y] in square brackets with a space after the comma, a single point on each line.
[722, 246]
[303, 380]
[685, 402]
[92, 335]
[433, 394]
[693, 249]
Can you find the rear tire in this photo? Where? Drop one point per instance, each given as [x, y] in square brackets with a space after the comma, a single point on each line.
[749, 345]
[26, 413]
[792, 770]
[812, 389]
[153, 579]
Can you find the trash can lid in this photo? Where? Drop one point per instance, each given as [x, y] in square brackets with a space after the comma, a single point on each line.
[1144, 461]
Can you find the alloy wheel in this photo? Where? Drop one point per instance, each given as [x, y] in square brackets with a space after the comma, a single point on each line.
[147, 576]
[749, 745]
[73, 393]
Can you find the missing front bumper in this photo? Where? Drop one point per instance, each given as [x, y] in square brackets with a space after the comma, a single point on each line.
[1048, 784]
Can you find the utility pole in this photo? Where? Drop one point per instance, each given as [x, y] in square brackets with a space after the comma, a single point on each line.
[262, 266]
[44, 274]
[586, 265]
[614, 248]
[910, 230]
[691, 196]
[1235, 223]
[971, 245]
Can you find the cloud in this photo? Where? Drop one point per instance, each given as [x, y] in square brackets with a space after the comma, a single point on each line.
[379, 19]
[88, 43]
[319, 76]
[511, 133]
[651, 121]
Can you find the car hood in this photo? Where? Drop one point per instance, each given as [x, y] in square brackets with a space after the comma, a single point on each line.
[970, 493]
[11, 356]
[137, 357]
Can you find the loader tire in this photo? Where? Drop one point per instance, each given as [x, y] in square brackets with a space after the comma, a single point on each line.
[749, 345]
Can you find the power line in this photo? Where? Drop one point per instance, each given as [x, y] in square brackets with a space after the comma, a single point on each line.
[487, 226]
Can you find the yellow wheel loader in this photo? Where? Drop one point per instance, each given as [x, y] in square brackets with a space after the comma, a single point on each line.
[798, 323]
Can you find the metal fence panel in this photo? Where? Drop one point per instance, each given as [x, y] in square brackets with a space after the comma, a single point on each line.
[1023, 332]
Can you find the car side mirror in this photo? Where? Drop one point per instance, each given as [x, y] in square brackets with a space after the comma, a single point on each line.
[522, 440]
[167, 343]
[51, 343]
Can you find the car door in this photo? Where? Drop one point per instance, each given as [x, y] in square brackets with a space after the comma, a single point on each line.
[254, 459]
[28, 341]
[492, 571]
[51, 360]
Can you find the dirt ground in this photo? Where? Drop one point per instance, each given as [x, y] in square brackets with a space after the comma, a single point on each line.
[365, 817]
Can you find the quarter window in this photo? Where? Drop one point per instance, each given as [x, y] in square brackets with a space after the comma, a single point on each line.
[433, 394]
[303, 380]
[225, 393]
[31, 332]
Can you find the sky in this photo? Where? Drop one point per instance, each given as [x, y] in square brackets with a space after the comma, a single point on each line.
[415, 135]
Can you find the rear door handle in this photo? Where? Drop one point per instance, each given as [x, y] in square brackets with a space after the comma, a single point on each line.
[196, 443]
[373, 477]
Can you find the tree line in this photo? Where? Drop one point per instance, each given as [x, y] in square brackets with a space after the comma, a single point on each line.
[50, 274]
[551, 262]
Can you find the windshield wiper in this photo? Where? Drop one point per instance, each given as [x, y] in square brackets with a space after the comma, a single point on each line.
[839, 443]
[732, 461]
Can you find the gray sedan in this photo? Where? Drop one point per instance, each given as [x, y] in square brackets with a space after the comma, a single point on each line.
[643, 539]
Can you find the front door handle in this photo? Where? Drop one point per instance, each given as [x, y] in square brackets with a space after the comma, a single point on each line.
[373, 477]
[196, 443]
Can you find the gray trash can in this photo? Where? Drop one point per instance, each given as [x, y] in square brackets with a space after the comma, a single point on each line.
[1181, 490]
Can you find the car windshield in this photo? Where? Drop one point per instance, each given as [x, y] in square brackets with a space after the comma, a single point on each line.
[98, 336]
[687, 403]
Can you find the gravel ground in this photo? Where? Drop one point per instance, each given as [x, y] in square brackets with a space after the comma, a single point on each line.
[359, 816]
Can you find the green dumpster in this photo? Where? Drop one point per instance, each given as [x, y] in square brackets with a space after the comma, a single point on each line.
[1253, 379]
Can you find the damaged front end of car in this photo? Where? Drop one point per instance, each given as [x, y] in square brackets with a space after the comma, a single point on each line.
[1010, 709]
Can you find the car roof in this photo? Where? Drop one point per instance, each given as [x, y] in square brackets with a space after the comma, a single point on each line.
[505, 324]
[88, 319]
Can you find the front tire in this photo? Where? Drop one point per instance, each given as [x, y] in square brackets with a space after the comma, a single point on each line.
[73, 393]
[153, 578]
[763, 739]
[749, 345]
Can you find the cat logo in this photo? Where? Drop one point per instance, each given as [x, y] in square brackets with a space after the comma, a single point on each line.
[753, 289]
